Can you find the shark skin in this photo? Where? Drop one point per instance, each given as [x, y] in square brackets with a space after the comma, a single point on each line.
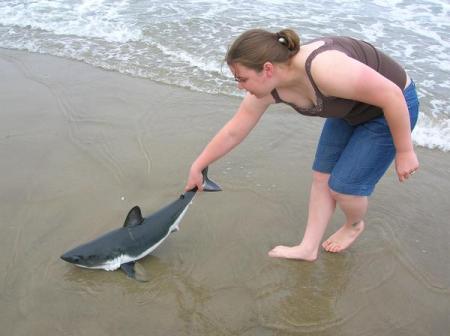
[139, 236]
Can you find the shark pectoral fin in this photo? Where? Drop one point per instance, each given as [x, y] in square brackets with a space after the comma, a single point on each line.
[128, 268]
[135, 271]
[139, 273]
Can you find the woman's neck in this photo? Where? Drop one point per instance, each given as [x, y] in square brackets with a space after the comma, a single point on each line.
[293, 74]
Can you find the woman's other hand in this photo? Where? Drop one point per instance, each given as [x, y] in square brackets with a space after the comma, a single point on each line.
[406, 164]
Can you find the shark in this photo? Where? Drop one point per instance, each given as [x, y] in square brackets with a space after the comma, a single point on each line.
[138, 237]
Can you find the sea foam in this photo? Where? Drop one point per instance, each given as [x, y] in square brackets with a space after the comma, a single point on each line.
[184, 42]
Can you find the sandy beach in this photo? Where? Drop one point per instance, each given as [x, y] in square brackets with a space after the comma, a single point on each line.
[79, 146]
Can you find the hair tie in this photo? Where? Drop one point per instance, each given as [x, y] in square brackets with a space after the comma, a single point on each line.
[282, 39]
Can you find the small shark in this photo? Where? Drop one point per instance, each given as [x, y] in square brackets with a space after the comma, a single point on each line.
[138, 237]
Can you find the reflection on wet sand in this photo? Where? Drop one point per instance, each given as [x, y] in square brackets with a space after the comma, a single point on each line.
[81, 146]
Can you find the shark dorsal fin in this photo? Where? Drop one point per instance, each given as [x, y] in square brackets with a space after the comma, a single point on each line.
[134, 217]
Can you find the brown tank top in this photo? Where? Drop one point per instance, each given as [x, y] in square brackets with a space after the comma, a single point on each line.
[353, 111]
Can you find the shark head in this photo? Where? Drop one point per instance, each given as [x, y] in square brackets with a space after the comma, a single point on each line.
[90, 256]
[105, 252]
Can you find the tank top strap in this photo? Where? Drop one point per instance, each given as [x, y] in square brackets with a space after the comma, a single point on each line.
[328, 44]
[276, 96]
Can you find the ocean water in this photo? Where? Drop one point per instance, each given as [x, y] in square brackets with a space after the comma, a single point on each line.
[183, 42]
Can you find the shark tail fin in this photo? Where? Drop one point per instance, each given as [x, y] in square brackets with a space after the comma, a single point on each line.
[209, 185]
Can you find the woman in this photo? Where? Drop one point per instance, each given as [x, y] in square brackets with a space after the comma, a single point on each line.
[371, 107]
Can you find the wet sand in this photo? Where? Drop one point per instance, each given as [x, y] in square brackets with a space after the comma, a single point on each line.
[80, 146]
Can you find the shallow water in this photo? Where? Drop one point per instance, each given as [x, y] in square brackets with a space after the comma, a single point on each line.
[78, 154]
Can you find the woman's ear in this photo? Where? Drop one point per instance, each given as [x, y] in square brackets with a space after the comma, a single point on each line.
[268, 69]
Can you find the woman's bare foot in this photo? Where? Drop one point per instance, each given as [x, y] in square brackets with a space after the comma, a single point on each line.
[294, 252]
[343, 237]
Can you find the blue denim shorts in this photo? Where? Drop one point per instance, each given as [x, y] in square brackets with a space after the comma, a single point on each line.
[356, 157]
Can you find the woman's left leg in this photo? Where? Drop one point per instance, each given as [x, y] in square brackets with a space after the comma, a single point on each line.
[364, 161]
[354, 209]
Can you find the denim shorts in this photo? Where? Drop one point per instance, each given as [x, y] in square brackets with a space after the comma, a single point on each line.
[356, 157]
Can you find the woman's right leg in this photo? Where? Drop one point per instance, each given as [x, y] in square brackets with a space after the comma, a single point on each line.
[321, 208]
[333, 140]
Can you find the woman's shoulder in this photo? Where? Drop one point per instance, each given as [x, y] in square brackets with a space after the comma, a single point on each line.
[325, 47]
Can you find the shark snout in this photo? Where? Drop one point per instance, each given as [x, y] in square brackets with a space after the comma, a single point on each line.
[73, 259]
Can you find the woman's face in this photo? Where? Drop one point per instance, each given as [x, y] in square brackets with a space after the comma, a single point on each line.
[256, 83]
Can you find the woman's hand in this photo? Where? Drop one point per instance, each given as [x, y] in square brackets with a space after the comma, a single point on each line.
[195, 179]
[406, 164]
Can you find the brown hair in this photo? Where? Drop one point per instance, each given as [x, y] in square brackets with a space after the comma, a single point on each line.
[255, 47]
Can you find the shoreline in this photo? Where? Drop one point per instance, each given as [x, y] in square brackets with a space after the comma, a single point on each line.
[421, 134]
